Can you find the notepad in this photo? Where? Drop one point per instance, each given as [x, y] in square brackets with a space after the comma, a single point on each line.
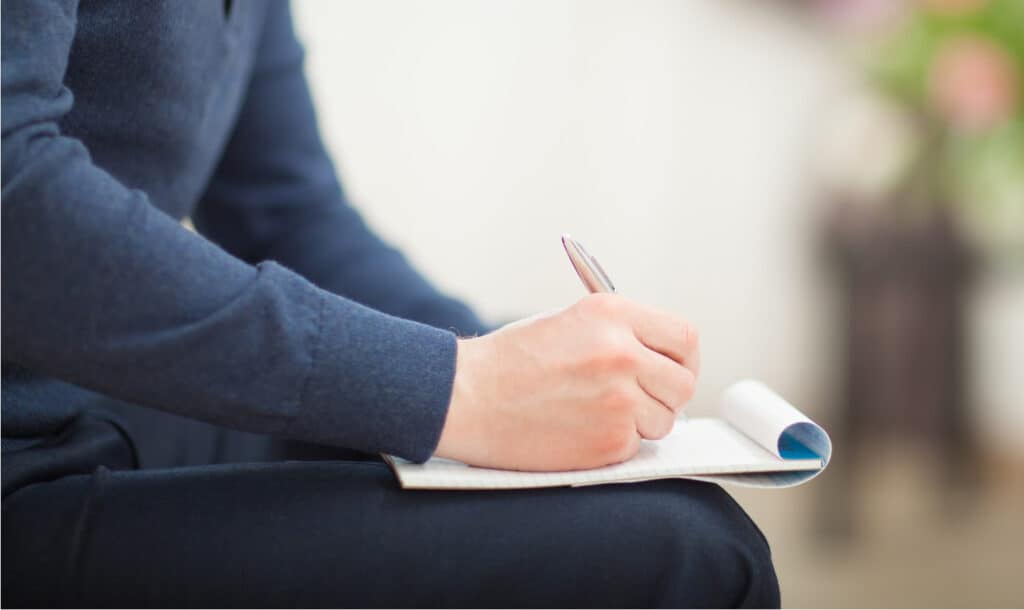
[758, 439]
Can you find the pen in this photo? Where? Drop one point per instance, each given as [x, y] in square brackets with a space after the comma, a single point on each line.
[591, 273]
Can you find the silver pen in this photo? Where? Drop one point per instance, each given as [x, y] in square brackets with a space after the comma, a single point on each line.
[590, 271]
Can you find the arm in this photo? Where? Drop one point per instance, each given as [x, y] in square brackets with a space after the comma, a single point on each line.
[275, 196]
[103, 290]
[573, 390]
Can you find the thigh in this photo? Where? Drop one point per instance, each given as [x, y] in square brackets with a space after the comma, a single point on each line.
[343, 534]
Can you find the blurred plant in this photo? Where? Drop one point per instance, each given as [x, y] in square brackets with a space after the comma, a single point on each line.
[952, 72]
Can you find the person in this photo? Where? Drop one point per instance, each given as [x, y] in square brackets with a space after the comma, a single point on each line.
[191, 417]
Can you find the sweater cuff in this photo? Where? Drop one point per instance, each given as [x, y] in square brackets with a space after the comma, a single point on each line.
[378, 383]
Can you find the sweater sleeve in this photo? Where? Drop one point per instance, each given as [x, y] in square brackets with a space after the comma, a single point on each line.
[275, 196]
[102, 289]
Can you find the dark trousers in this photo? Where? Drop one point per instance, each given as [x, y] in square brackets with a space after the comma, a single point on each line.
[185, 514]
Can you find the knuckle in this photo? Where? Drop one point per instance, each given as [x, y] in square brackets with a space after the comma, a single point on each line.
[629, 447]
[621, 359]
[601, 304]
[658, 423]
[659, 432]
[615, 354]
[618, 399]
[619, 443]
[687, 387]
[691, 338]
[665, 427]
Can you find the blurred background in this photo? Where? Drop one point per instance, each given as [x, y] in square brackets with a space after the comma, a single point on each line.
[831, 190]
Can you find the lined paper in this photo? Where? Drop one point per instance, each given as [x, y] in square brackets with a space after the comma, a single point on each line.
[697, 446]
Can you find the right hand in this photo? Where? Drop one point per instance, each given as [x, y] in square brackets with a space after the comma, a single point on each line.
[571, 390]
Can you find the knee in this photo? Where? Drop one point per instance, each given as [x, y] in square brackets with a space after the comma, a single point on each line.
[714, 553]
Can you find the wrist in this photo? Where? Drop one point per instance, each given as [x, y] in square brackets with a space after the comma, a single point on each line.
[462, 434]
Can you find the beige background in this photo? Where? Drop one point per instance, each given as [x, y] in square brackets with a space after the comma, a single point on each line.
[675, 139]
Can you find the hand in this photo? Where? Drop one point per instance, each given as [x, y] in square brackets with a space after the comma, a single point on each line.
[575, 389]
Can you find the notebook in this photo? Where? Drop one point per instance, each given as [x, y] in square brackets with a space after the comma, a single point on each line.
[757, 440]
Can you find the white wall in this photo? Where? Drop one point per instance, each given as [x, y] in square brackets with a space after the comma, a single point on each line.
[670, 137]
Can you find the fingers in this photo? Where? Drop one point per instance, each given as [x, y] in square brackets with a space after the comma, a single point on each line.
[666, 334]
[659, 355]
[653, 420]
[665, 380]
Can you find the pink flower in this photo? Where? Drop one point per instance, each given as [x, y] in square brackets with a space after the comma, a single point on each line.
[973, 83]
[861, 15]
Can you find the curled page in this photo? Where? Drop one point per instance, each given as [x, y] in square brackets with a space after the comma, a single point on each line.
[769, 420]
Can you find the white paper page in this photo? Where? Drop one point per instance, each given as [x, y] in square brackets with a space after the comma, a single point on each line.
[757, 411]
[703, 446]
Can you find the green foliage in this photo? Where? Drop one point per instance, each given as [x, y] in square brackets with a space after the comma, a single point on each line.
[903, 62]
[981, 174]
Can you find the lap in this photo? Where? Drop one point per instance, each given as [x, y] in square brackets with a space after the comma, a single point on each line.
[341, 533]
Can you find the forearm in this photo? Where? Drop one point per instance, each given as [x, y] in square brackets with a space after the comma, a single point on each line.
[103, 290]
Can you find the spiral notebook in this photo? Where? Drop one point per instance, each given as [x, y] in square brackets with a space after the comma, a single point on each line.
[757, 440]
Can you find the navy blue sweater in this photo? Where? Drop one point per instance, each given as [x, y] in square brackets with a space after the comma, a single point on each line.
[285, 314]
